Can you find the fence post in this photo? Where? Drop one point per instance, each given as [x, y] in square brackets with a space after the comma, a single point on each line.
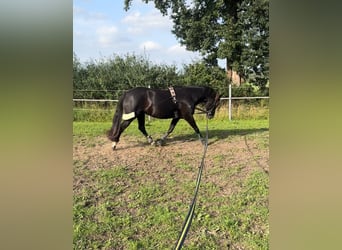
[230, 102]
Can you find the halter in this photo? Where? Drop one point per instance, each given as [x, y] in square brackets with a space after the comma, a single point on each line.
[213, 106]
[202, 110]
[173, 94]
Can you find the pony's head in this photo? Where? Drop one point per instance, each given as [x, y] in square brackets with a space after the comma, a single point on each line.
[212, 100]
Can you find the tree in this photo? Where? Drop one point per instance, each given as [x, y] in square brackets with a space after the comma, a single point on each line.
[202, 74]
[108, 77]
[234, 30]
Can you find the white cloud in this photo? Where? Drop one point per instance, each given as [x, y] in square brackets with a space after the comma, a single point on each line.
[135, 30]
[150, 45]
[101, 32]
[179, 54]
[107, 30]
[139, 24]
[83, 15]
[177, 49]
[106, 35]
[132, 18]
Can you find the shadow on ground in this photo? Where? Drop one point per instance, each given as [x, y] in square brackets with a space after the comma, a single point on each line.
[214, 136]
[218, 134]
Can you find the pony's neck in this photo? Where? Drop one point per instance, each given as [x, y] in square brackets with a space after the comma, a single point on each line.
[200, 94]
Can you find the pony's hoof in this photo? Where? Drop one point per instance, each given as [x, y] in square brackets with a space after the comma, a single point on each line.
[160, 142]
[150, 140]
[114, 146]
[203, 141]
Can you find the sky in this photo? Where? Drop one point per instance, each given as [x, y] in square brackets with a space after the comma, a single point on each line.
[102, 28]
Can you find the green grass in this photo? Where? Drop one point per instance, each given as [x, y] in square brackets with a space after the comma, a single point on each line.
[247, 214]
[159, 127]
[115, 207]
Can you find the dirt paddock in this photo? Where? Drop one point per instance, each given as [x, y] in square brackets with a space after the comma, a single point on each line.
[241, 153]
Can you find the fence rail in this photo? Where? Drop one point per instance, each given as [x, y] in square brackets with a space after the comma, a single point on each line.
[222, 98]
[229, 98]
[94, 100]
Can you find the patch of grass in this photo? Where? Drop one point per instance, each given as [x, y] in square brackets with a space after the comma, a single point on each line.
[90, 129]
[157, 127]
[218, 158]
[246, 216]
[146, 194]
[149, 221]
[93, 112]
[185, 166]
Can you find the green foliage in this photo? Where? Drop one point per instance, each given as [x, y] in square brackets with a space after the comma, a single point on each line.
[237, 31]
[107, 78]
[253, 20]
[249, 90]
[203, 74]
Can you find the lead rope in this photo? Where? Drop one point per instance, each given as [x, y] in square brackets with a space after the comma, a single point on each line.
[191, 212]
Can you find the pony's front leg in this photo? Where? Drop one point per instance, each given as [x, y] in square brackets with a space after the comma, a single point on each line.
[190, 119]
[171, 128]
[202, 140]
[173, 124]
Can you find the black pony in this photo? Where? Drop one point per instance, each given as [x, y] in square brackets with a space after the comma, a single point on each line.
[176, 103]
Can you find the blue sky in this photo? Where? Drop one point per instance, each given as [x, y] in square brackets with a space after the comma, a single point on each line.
[102, 28]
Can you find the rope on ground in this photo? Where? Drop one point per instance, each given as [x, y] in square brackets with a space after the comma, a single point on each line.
[190, 215]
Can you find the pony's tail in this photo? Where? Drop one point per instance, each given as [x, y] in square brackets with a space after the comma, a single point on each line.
[113, 133]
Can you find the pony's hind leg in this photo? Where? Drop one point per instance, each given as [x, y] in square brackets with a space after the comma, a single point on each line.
[141, 125]
[173, 124]
[123, 126]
